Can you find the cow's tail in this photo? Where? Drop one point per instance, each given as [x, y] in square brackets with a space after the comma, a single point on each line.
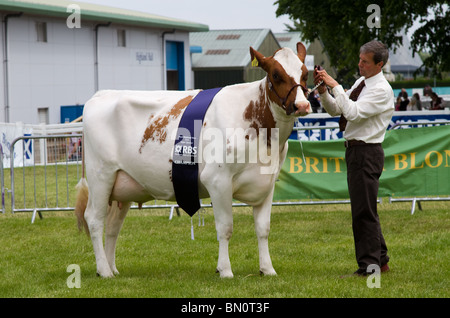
[80, 206]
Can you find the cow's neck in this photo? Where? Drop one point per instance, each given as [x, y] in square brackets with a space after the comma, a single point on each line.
[283, 122]
[262, 113]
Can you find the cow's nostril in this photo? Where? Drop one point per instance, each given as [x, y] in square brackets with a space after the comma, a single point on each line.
[291, 108]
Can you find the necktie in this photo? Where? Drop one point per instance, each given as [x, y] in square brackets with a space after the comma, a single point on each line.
[353, 96]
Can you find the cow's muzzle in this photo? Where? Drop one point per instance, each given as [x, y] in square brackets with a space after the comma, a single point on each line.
[301, 108]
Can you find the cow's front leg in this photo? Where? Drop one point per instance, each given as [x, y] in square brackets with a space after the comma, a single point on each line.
[220, 191]
[224, 226]
[261, 214]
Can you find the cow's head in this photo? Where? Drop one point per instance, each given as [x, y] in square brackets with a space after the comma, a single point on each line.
[286, 78]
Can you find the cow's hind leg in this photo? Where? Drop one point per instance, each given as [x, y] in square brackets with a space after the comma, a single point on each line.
[261, 215]
[114, 220]
[96, 210]
[95, 218]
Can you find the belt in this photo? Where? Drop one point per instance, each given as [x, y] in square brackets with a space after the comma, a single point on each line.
[353, 143]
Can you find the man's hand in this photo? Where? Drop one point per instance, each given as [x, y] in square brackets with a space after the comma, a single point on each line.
[322, 88]
[322, 75]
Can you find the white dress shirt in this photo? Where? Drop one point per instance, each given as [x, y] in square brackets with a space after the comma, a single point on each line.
[368, 117]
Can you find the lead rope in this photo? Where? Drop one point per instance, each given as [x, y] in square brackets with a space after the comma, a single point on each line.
[303, 155]
[317, 86]
[301, 145]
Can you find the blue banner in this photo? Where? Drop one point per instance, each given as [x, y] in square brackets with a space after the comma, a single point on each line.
[316, 127]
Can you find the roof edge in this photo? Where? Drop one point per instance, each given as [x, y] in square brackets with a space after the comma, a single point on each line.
[91, 15]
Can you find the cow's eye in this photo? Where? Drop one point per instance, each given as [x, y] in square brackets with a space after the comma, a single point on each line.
[276, 77]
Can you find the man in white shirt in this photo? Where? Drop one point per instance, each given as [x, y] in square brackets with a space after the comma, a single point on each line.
[365, 110]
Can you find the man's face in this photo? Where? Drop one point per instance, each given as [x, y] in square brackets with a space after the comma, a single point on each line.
[367, 66]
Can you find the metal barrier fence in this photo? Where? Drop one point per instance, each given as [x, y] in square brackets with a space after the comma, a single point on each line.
[2, 179]
[49, 173]
[45, 178]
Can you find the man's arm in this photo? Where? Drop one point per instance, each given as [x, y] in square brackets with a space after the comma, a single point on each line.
[328, 102]
[374, 102]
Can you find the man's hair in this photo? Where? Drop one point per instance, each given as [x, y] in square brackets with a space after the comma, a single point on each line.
[379, 50]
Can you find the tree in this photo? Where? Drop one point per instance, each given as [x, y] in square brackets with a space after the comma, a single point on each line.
[343, 26]
[433, 38]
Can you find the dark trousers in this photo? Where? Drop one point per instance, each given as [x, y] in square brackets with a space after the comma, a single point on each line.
[364, 167]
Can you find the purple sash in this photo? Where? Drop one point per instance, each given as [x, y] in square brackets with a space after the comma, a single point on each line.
[185, 152]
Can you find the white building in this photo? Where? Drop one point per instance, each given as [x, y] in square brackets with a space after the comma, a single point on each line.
[58, 53]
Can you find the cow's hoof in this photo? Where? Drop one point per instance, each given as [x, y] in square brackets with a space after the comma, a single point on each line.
[225, 273]
[108, 274]
[270, 272]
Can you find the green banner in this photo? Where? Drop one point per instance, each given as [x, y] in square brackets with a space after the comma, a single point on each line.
[417, 163]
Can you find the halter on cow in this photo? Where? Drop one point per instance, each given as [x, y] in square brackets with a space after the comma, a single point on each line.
[128, 148]
[281, 99]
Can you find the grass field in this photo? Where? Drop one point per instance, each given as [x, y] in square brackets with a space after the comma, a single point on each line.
[311, 248]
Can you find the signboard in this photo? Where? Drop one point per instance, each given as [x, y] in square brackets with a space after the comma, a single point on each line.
[417, 163]
[143, 56]
[304, 125]
[23, 150]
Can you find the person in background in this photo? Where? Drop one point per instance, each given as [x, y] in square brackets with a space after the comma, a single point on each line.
[397, 103]
[314, 99]
[404, 99]
[427, 90]
[414, 103]
[436, 102]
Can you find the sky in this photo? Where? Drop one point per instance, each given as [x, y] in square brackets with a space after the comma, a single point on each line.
[226, 14]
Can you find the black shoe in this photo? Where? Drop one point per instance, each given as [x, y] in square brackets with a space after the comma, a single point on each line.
[361, 272]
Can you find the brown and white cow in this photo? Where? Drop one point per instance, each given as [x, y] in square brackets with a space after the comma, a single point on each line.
[128, 147]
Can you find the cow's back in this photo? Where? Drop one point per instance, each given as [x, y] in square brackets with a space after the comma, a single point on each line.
[131, 131]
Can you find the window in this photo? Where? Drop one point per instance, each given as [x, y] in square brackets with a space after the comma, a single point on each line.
[121, 38]
[284, 39]
[228, 37]
[43, 116]
[41, 31]
[217, 52]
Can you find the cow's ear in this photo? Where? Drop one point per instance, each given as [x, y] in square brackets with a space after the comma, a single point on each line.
[301, 51]
[257, 58]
